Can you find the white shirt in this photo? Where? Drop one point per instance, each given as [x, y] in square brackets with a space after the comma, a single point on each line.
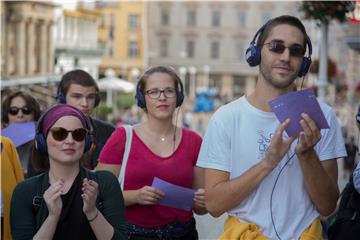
[237, 137]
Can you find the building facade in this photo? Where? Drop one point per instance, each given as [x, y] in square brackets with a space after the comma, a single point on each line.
[27, 48]
[122, 34]
[76, 41]
[206, 41]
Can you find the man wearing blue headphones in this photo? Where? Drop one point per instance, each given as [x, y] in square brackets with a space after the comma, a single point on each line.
[79, 89]
[245, 149]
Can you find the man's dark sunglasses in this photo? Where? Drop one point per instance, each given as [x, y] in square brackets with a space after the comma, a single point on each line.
[15, 110]
[279, 47]
[60, 134]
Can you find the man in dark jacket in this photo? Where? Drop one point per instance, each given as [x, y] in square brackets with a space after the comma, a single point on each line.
[79, 89]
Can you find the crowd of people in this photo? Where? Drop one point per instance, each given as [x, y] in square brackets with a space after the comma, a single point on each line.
[83, 178]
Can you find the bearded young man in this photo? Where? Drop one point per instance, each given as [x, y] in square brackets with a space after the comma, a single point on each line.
[245, 149]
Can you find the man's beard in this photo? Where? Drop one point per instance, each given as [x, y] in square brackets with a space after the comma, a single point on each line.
[277, 83]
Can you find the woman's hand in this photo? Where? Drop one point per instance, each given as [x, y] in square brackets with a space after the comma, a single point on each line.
[149, 196]
[52, 197]
[90, 191]
[199, 202]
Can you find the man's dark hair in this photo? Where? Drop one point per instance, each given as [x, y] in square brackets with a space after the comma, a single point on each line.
[79, 77]
[30, 101]
[284, 19]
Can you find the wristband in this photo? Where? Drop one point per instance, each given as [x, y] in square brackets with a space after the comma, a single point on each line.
[97, 212]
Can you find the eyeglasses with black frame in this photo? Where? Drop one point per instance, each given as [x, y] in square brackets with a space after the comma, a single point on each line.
[155, 93]
[60, 134]
[279, 47]
[15, 110]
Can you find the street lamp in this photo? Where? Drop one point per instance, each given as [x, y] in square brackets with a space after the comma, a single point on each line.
[206, 70]
[192, 71]
[135, 73]
[183, 71]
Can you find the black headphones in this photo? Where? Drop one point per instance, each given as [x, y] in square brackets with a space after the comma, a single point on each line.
[40, 138]
[253, 53]
[140, 97]
[60, 97]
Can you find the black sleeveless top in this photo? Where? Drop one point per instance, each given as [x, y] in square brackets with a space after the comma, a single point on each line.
[73, 223]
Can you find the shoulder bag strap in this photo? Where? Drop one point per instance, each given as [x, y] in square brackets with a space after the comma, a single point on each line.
[128, 130]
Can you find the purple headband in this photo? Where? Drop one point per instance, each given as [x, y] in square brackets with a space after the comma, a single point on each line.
[58, 111]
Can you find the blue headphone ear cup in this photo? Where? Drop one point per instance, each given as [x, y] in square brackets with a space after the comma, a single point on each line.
[179, 99]
[253, 55]
[40, 142]
[61, 98]
[305, 66]
[97, 99]
[140, 99]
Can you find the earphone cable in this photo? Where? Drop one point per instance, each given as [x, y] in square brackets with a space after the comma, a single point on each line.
[272, 193]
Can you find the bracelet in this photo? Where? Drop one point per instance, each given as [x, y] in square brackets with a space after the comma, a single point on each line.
[97, 212]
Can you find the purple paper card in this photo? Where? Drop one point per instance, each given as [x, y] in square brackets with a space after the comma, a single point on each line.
[291, 106]
[20, 133]
[175, 196]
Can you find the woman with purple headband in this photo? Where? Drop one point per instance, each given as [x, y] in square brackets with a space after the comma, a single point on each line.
[66, 201]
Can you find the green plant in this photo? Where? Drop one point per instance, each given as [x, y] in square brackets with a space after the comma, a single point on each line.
[325, 11]
[102, 111]
[125, 100]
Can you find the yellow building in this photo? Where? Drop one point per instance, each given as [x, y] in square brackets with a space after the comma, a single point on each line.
[121, 33]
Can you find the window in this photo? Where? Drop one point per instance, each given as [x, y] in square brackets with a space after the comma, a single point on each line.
[215, 18]
[134, 21]
[164, 17]
[240, 50]
[111, 51]
[133, 50]
[215, 47]
[242, 19]
[190, 49]
[163, 48]
[102, 21]
[112, 20]
[191, 18]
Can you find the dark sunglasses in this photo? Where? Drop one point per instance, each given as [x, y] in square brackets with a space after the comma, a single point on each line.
[15, 110]
[60, 134]
[279, 47]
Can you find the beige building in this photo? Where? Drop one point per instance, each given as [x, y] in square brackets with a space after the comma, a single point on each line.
[76, 41]
[28, 39]
[206, 41]
[121, 33]
[27, 50]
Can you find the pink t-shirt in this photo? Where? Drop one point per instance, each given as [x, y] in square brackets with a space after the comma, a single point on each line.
[143, 165]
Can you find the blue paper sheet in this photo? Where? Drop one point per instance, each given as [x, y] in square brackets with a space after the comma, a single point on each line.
[175, 196]
[20, 133]
[291, 106]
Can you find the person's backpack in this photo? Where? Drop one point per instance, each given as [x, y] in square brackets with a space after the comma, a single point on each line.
[347, 221]
[38, 200]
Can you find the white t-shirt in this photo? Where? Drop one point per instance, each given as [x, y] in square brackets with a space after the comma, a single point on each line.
[237, 137]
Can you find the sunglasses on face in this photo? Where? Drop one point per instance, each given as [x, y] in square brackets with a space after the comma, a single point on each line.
[15, 110]
[60, 134]
[279, 47]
